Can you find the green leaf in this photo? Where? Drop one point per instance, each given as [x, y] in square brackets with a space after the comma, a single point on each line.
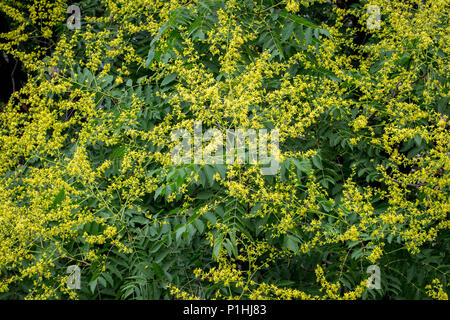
[217, 246]
[303, 165]
[209, 172]
[308, 36]
[210, 217]
[58, 198]
[298, 20]
[418, 139]
[276, 39]
[159, 191]
[158, 270]
[291, 243]
[204, 195]
[199, 225]
[171, 77]
[150, 57]
[93, 285]
[180, 232]
[102, 281]
[317, 161]
[286, 32]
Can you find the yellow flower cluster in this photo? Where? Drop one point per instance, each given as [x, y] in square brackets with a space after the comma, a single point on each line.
[44, 207]
[436, 290]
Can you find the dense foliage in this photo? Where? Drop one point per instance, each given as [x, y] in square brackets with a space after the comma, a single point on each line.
[87, 177]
